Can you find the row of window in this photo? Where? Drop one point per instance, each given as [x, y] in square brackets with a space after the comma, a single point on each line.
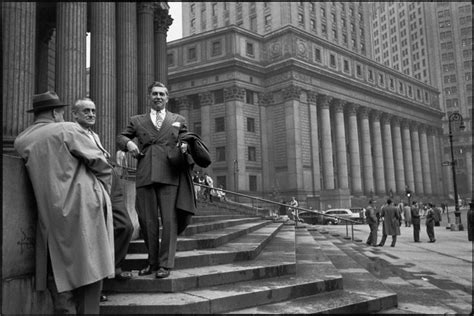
[251, 153]
[222, 180]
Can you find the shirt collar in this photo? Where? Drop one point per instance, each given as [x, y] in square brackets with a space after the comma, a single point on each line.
[155, 112]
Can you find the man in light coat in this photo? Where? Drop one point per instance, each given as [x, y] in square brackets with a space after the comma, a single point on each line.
[391, 223]
[71, 180]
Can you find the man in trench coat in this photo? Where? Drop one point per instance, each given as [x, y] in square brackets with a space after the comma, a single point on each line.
[391, 223]
[71, 180]
[163, 180]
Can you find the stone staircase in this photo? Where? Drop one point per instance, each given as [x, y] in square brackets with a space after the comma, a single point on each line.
[231, 261]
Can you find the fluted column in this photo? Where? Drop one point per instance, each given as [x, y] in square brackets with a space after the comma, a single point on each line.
[184, 107]
[146, 62]
[434, 163]
[265, 103]
[18, 76]
[162, 23]
[313, 119]
[469, 169]
[45, 31]
[438, 153]
[398, 156]
[103, 76]
[341, 151]
[127, 93]
[378, 153]
[71, 19]
[366, 146]
[388, 154]
[425, 161]
[326, 143]
[408, 155]
[354, 150]
[417, 168]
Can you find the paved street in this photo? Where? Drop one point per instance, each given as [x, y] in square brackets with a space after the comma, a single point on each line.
[444, 266]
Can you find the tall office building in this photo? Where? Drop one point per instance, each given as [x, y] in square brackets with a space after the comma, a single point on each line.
[292, 107]
[342, 23]
[432, 42]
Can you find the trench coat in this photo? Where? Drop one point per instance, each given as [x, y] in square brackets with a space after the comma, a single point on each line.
[391, 220]
[71, 179]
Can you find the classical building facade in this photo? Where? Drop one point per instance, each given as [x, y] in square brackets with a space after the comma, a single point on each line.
[291, 113]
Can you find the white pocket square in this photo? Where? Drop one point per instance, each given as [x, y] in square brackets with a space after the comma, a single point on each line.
[176, 124]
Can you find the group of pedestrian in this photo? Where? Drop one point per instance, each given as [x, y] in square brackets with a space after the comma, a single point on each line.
[84, 229]
[204, 193]
[390, 217]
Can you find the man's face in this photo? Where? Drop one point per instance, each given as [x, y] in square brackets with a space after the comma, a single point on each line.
[85, 114]
[158, 98]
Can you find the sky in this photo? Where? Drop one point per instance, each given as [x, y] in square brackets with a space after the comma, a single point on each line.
[176, 29]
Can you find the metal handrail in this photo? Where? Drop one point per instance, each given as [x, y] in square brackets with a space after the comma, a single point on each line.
[346, 220]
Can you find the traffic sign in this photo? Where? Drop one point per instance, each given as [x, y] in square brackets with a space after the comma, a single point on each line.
[446, 163]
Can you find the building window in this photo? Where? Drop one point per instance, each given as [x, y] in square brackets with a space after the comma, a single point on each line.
[317, 55]
[197, 128]
[220, 124]
[252, 153]
[250, 124]
[220, 153]
[313, 24]
[191, 53]
[170, 58]
[195, 101]
[216, 48]
[371, 75]
[381, 81]
[253, 24]
[268, 20]
[214, 9]
[359, 70]
[249, 96]
[346, 66]
[218, 96]
[332, 60]
[301, 19]
[253, 183]
[250, 49]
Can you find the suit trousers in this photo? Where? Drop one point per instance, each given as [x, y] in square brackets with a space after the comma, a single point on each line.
[153, 201]
[430, 231]
[123, 230]
[372, 239]
[416, 228]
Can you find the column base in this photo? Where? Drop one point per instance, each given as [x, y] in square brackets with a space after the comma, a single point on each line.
[456, 227]
[337, 198]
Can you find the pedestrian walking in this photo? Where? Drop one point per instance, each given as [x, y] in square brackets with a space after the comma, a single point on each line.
[415, 220]
[372, 222]
[407, 214]
[391, 223]
[72, 181]
[437, 215]
[470, 222]
[430, 222]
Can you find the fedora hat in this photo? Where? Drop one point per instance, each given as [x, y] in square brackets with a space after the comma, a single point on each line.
[45, 101]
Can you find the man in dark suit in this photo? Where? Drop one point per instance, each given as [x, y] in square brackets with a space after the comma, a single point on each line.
[162, 161]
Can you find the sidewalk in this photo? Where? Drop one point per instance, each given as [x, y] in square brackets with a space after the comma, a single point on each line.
[443, 267]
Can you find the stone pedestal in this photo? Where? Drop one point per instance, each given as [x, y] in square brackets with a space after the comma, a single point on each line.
[337, 198]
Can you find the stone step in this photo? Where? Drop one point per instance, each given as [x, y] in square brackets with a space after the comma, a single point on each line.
[243, 248]
[362, 293]
[205, 240]
[314, 274]
[193, 229]
[215, 217]
[264, 266]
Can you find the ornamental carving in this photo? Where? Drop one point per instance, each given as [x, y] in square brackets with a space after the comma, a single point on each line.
[352, 108]
[338, 105]
[275, 50]
[385, 118]
[323, 100]
[364, 112]
[312, 97]
[183, 103]
[396, 121]
[301, 50]
[265, 99]
[205, 98]
[375, 115]
[145, 7]
[291, 93]
[162, 21]
[234, 93]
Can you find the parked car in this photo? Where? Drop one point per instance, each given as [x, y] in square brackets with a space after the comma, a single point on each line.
[316, 218]
[343, 213]
[360, 211]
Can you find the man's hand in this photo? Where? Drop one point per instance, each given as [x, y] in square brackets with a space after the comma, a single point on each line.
[184, 147]
[121, 159]
[133, 149]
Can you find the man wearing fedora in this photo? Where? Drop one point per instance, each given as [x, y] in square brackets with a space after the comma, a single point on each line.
[163, 180]
[71, 179]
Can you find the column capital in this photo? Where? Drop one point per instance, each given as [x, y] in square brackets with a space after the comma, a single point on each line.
[183, 103]
[145, 7]
[385, 118]
[323, 100]
[205, 98]
[405, 123]
[312, 97]
[423, 128]
[364, 112]
[352, 108]
[291, 93]
[414, 125]
[375, 114]
[162, 21]
[234, 93]
[396, 120]
[338, 105]
[265, 99]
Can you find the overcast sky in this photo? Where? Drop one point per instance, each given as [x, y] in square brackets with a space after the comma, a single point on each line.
[176, 29]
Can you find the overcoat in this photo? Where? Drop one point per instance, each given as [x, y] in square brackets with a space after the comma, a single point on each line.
[391, 221]
[71, 180]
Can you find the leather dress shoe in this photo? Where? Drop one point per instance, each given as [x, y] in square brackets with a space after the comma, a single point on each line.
[162, 273]
[380, 245]
[146, 271]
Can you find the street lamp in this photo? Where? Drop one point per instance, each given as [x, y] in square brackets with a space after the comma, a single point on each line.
[457, 213]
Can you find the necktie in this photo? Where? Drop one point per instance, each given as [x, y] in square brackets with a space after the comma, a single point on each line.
[159, 120]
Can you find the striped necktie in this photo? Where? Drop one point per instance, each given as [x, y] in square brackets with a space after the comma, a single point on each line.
[159, 120]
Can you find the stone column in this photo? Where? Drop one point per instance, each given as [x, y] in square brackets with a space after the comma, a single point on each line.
[377, 153]
[354, 151]
[425, 161]
[127, 96]
[341, 151]
[416, 151]
[469, 169]
[408, 155]
[313, 122]
[184, 107]
[389, 163]
[265, 101]
[46, 30]
[70, 80]
[398, 156]
[234, 99]
[291, 99]
[103, 76]
[146, 62]
[326, 142]
[366, 147]
[162, 23]
[439, 189]
[18, 76]
[434, 163]
[446, 170]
